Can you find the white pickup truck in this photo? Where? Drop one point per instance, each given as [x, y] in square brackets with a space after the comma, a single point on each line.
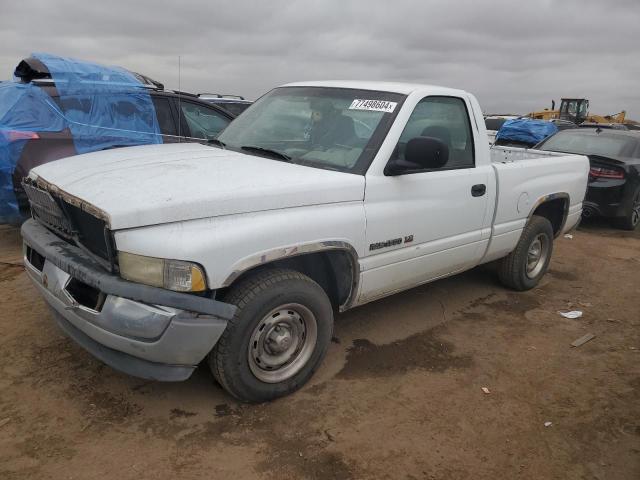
[321, 197]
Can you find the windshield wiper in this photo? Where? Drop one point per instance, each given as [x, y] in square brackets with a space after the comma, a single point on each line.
[274, 153]
[218, 143]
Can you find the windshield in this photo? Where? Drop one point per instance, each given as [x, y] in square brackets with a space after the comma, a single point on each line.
[575, 142]
[331, 128]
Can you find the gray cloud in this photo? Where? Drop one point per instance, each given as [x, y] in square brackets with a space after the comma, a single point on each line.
[514, 56]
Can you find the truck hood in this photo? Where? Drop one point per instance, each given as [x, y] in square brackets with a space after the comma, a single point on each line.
[156, 184]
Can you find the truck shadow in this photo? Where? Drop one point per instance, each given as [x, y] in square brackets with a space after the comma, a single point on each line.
[385, 337]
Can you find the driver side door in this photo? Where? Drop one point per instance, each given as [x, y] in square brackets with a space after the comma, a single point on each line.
[427, 224]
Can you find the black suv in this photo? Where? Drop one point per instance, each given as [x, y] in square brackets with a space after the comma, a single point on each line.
[181, 117]
[234, 104]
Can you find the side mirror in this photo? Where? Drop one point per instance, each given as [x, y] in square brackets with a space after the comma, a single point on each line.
[419, 154]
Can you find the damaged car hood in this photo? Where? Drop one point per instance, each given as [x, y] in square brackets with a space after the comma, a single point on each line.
[155, 184]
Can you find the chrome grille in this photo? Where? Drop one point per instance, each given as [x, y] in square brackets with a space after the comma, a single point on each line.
[46, 209]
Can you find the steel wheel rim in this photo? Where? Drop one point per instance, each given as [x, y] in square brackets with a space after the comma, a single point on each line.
[537, 255]
[282, 343]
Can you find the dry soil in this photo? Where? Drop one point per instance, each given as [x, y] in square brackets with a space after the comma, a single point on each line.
[399, 395]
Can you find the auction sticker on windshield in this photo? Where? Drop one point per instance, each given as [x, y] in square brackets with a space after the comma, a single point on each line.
[374, 105]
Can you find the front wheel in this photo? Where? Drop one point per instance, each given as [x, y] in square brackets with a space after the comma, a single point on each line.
[277, 338]
[523, 268]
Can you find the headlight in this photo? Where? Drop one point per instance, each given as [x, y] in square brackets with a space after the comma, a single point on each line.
[159, 272]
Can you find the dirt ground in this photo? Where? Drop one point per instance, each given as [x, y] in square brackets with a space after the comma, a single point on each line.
[398, 397]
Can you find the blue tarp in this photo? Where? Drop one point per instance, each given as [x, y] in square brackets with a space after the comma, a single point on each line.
[103, 107]
[526, 130]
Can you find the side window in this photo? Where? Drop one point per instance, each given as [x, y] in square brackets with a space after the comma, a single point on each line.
[165, 117]
[446, 119]
[203, 122]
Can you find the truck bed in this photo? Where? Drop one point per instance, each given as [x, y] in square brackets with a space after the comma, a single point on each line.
[526, 177]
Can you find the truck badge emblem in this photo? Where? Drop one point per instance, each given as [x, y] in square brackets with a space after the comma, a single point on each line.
[391, 243]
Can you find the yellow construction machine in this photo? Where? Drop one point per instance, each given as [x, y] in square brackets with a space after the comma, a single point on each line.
[576, 110]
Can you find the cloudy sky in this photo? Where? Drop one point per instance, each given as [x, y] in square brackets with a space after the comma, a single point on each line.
[515, 56]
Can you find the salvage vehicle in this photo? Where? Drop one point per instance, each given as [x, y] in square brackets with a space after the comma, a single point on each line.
[531, 136]
[61, 107]
[493, 124]
[614, 177]
[524, 132]
[321, 197]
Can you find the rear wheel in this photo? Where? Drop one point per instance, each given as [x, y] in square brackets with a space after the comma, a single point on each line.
[523, 268]
[632, 219]
[276, 340]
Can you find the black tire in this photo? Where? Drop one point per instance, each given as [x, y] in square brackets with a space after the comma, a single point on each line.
[632, 219]
[513, 269]
[257, 297]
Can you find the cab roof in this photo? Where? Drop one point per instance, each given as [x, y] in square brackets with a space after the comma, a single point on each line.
[395, 87]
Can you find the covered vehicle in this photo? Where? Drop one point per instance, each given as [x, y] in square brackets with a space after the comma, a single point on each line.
[493, 124]
[524, 132]
[614, 177]
[59, 107]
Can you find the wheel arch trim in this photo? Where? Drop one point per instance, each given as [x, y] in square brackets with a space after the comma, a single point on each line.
[264, 258]
[548, 198]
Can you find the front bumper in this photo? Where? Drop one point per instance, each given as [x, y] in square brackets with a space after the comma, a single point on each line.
[143, 331]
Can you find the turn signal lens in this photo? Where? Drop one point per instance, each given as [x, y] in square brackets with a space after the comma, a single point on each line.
[183, 276]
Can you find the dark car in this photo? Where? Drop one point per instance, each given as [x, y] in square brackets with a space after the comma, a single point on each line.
[614, 178]
[51, 121]
[234, 104]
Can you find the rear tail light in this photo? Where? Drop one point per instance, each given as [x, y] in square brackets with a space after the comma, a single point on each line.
[599, 172]
[15, 135]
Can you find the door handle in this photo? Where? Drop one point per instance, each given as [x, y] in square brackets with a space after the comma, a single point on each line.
[478, 190]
